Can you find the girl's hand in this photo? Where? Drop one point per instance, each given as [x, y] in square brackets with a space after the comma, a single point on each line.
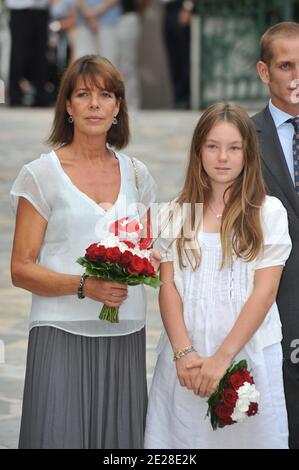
[187, 370]
[109, 293]
[212, 369]
[155, 259]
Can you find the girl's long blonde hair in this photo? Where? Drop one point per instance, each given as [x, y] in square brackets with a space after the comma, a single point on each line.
[241, 230]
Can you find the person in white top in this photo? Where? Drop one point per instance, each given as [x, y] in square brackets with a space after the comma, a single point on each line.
[85, 383]
[218, 295]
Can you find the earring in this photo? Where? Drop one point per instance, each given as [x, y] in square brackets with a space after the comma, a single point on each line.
[114, 120]
[70, 119]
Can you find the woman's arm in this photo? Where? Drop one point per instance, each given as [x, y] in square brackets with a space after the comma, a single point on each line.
[66, 23]
[266, 283]
[29, 234]
[171, 308]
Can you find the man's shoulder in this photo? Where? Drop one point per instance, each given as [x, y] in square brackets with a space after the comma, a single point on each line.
[260, 117]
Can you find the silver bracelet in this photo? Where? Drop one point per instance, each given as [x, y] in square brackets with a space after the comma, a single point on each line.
[183, 353]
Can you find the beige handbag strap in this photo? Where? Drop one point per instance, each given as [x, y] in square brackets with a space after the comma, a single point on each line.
[135, 173]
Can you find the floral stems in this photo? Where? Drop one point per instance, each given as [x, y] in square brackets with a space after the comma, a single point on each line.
[109, 314]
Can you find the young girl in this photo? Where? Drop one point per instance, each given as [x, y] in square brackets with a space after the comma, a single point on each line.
[218, 298]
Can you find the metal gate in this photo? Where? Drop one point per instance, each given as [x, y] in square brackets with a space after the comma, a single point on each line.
[229, 34]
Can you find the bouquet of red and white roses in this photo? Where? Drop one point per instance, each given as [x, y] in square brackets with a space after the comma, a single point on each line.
[235, 399]
[121, 257]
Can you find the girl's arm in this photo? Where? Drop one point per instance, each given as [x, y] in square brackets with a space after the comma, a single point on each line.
[266, 283]
[26, 273]
[171, 308]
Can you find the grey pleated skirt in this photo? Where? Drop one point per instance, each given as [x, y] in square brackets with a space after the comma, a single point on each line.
[84, 392]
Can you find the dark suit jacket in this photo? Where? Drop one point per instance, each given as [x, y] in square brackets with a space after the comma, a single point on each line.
[279, 183]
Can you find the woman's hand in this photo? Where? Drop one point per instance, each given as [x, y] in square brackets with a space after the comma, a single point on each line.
[187, 370]
[109, 293]
[211, 370]
[155, 259]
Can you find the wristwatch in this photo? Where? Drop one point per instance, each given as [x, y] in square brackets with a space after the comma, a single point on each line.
[188, 5]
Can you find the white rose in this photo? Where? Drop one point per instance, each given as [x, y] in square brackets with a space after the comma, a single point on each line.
[244, 390]
[242, 404]
[238, 416]
[249, 391]
[112, 241]
[141, 253]
[254, 395]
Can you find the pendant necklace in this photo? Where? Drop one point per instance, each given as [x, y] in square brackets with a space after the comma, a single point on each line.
[218, 216]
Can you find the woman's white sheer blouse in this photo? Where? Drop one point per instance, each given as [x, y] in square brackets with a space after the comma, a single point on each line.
[74, 221]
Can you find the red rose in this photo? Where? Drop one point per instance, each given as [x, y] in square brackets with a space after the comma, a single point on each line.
[116, 226]
[146, 243]
[253, 409]
[223, 412]
[113, 254]
[132, 227]
[236, 380]
[148, 268]
[136, 266]
[125, 259]
[129, 244]
[101, 254]
[122, 225]
[91, 252]
[245, 374]
[96, 253]
[229, 396]
[225, 422]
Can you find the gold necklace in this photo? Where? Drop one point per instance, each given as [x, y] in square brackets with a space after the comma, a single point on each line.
[218, 216]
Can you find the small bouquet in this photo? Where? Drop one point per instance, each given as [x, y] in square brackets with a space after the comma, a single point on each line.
[121, 257]
[235, 399]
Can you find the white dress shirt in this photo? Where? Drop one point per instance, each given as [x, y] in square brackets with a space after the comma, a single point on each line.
[21, 4]
[285, 133]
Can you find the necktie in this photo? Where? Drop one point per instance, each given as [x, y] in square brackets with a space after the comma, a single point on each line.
[295, 122]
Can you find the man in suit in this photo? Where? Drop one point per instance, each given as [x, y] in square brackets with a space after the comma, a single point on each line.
[176, 29]
[29, 35]
[278, 133]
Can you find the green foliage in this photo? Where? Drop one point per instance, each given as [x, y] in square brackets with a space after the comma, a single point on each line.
[113, 272]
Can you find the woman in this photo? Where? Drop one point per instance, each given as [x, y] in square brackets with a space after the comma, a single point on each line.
[85, 382]
[218, 295]
[97, 31]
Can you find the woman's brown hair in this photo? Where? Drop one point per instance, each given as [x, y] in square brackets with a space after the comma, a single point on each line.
[90, 68]
[241, 230]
